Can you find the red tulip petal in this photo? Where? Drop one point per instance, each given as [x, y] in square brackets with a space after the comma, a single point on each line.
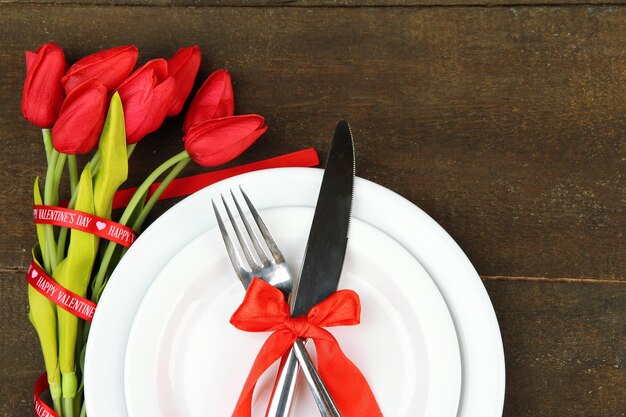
[157, 68]
[30, 59]
[80, 123]
[216, 142]
[111, 66]
[136, 91]
[214, 100]
[183, 66]
[43, 93]
[145, 106]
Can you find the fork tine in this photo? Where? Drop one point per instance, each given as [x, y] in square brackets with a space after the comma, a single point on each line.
[267, 236]
[235, 259]
[242, 241]
[253, 238]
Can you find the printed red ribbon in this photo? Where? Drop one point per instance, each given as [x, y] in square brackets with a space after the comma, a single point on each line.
[99, 226]
[107, 229]
[264, 309]
[41, 408]
[65, 299]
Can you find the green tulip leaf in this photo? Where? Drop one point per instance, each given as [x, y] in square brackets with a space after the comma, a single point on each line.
[113, 169]
[43, 317]
[74, 273]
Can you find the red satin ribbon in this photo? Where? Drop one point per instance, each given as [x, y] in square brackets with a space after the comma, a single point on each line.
[99, 226]
[189, 185]
[41, 408]
[264, 309]
[83, 308]
[66, 299]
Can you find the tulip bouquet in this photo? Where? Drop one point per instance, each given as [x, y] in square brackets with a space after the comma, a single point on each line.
[101, 107]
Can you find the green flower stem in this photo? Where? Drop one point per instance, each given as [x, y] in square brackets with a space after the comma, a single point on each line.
[143, 188]
[157, 193]
[56, 402]
[47, 142]
[61, 243]
[68, 407]
[58, 172]
[49, 192]
[49, 257]
[73, 171]
[130, 149]
[78, 404]
[94, 163]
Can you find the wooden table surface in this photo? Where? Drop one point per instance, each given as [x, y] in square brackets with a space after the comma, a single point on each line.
[504, 120]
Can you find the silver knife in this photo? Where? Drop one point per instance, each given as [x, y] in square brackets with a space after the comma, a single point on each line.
[323, 258]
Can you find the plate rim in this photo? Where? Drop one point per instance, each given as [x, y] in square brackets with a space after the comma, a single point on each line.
[448, 382]
[475, 399]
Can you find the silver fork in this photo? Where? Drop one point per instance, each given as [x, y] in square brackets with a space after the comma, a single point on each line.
[272, 269]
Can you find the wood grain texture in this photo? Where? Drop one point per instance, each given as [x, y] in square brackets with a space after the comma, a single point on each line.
[21, 362]
[505, 125]
[321, 3]
[564, 346]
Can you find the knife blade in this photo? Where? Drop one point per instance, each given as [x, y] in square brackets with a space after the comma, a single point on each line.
[326, 246]
[323, 260]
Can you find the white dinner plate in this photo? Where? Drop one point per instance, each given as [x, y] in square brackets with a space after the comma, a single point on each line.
[482, 356]
[183, 357]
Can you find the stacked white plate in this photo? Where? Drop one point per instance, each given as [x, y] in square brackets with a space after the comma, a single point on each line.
[161, 343]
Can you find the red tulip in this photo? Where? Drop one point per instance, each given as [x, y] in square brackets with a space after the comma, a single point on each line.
[111, 66]
[215, 142]
[146, 97]
[214, 100]
[43, 92]
[80, 122]
[183, 66]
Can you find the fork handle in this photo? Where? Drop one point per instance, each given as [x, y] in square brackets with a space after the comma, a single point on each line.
[322, 397]
[284, 390]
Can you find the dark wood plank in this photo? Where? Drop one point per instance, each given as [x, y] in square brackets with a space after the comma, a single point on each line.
[20, 358]
[320, 3]
[506, 125]
[564, 347]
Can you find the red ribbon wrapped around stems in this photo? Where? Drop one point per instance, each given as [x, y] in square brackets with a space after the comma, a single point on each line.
[86, 222]
[264, 309]
[66, 299]
[41, 408]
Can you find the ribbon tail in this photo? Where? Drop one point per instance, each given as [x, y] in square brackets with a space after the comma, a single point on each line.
[346, 384]
[274, 348]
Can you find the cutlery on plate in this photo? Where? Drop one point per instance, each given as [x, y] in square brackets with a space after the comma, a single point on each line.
[272, 269]
[324, 255]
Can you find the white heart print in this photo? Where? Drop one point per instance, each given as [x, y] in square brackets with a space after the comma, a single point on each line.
[101, 225]
[34, 273]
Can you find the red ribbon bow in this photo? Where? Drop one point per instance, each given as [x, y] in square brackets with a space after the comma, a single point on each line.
[264, 309]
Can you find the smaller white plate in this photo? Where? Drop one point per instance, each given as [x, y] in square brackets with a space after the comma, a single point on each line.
[183, 358]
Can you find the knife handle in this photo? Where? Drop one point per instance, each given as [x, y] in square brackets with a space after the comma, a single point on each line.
[284, 390]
